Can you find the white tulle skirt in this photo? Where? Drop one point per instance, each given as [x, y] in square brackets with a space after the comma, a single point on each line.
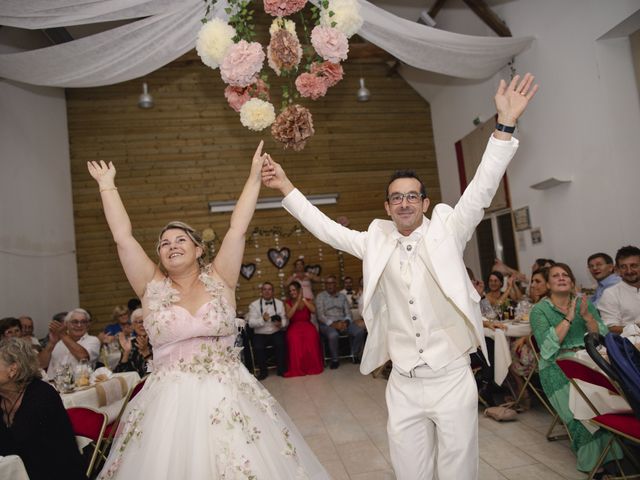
[196, 424]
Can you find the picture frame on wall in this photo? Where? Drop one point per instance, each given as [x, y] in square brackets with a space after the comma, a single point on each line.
[521, 219]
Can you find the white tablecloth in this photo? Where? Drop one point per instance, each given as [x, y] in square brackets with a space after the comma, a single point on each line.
[89, 397]
[12, 468]
[502, 355]
[602, 399]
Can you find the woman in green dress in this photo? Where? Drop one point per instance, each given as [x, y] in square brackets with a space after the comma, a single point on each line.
[559, 323]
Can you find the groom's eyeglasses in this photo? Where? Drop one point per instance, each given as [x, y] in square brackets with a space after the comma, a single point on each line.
[412, 197]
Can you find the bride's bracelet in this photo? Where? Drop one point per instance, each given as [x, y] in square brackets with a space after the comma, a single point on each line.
[108, 189]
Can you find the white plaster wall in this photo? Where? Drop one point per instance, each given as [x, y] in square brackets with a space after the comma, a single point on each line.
[38, 274]
[584, 124]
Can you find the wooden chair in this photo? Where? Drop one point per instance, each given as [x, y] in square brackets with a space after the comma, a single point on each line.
[90, 424]
[532, 383]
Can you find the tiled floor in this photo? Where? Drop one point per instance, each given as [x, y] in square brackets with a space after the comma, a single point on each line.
[342, 415]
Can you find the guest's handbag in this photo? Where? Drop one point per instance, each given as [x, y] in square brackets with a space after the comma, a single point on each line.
[501, 413]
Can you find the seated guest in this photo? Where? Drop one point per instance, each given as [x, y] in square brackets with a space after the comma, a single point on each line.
[58, 317]
[26, 327]
[601, 269]
[620, 304]
[522, 358]
[559, 322]
[69, 342]
[10, 327]
[133, 304]
[120, 318]
[541, 263]
[486, 384]
[35, 425]
[334, 318]
[495, 295]
[136, 350]
[349, 292]
[303, 341]
[268, 318]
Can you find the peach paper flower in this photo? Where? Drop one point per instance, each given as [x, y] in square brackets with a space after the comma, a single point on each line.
[311, 86]
[331, 72]
[293, 127]
[330, 43]
[242, 63]
[238, 96]
[284, 51]
[283, 8]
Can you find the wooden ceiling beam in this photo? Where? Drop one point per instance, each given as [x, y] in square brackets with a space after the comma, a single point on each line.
[482, 10]
[433, 11]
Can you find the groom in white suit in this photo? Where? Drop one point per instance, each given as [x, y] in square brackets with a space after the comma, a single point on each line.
[419, 306]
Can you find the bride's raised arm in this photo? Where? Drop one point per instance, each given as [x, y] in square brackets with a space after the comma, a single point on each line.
[229, 258]
[137, 266]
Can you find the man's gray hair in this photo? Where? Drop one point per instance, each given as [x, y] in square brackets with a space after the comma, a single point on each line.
[77, 310]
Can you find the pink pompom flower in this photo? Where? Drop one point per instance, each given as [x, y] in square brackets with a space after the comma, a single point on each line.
[242, 63]
[283, 8]
[330, 43]
[238, 96]
[311, 86]
[332, 73]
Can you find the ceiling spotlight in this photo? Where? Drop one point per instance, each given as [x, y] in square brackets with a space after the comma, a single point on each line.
[145, 100]
[426, 19]
[363, 92]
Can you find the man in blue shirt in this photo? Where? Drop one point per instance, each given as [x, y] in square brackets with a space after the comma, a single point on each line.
[334, 319]
[601, 269]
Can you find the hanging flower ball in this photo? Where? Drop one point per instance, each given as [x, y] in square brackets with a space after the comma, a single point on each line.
[330, 43]
[311, 86]
[283, 8]
[238, 96]
[293, 127]
[257, 114]
[242, 63]
[214, 40]
[346, 16]
[284, 51]
[332, 73]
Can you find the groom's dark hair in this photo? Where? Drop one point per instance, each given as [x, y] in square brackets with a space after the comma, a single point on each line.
[406, 174]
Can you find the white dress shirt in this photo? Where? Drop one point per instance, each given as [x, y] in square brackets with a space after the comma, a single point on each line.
[620, 305]
[271, 307]
[61, 355]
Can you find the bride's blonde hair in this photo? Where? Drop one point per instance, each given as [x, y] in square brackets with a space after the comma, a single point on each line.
[191, 232]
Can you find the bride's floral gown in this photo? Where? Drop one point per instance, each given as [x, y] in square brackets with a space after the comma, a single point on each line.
[201, 414]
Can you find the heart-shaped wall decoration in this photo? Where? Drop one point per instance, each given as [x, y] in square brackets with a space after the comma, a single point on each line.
[315, 269]
[279, 257]
[247, 270]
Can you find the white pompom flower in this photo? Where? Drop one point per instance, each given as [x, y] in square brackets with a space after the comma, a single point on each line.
[282, 24]
[214, 40]
[346, 16]
[257, 114]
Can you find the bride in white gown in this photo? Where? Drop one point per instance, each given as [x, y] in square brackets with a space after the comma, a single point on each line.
[201, 414]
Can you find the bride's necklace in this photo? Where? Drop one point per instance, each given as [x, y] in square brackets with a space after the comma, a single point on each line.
[10, 408]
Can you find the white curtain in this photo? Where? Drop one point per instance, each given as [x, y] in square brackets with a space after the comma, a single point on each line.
[167, 29]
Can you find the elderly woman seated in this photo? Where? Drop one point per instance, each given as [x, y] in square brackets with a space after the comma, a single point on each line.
[34, 423]
[136, 351]
[559, 322]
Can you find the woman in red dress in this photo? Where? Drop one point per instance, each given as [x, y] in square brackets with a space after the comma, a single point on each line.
[303, 341]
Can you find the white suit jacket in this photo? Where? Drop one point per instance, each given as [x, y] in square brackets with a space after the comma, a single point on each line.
[448, 232]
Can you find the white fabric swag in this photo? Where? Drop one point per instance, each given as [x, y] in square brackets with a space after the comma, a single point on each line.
[167, 29]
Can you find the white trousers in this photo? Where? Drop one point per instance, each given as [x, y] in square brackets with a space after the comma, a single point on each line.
[433, 423]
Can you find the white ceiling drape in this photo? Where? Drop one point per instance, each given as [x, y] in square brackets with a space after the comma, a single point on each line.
[167, 29]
